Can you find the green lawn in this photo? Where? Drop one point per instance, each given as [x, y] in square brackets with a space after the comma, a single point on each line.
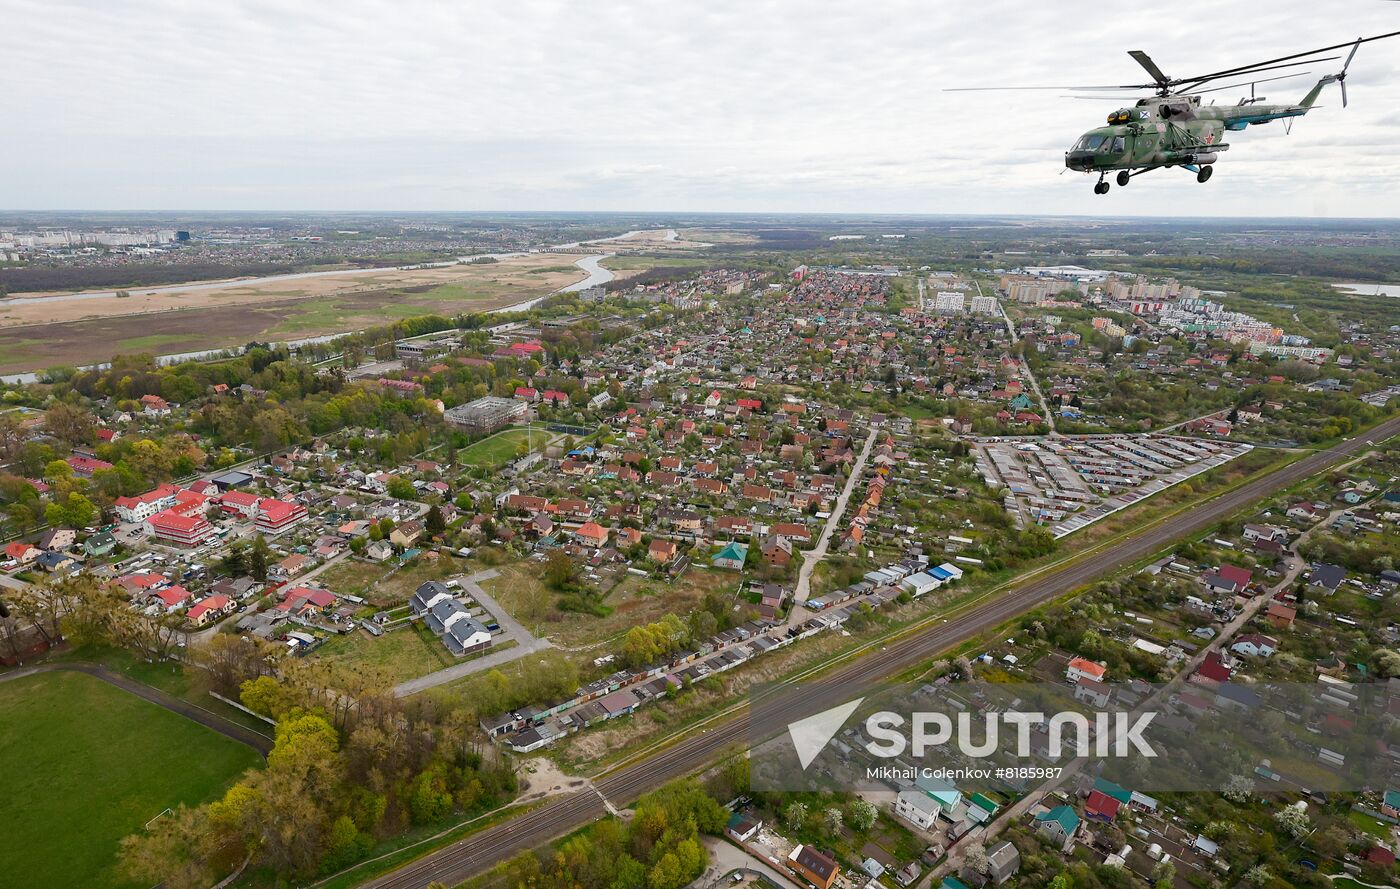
[1373, 826]
[404, 653]
[85, 764]
[500, 448]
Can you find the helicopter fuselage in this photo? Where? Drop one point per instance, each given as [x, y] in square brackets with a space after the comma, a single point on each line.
[1170, 131]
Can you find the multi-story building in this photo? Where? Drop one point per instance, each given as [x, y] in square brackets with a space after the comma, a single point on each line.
[239, 503]
[949, 303]
[985, 305]
[486, 414]
[143, 506]
[173, 527]
[276, 516]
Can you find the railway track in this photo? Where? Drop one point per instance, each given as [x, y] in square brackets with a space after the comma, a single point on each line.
[479, 852]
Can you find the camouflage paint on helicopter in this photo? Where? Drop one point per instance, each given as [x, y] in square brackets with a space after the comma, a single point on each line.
[1173, 131]
[1171, 128]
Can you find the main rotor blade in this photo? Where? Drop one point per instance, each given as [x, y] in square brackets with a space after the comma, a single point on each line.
[1150, 66]
[1189, 84]
[1260, 66]
[984, 89]
[1216, 89]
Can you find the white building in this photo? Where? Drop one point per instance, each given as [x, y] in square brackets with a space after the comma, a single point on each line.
[916, 807]
[985, 305]
[949, 303]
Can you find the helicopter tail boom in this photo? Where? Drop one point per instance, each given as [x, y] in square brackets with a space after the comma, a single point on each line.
[1311, 98]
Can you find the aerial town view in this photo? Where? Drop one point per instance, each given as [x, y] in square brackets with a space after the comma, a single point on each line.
[629, 447]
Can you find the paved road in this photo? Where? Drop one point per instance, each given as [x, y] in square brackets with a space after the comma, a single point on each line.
[466, 858]
[525, 642]
[811, 558]
[229, 729]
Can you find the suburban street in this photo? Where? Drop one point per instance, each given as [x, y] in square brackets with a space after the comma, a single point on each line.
[489, 847]
[1017, 812]
[813, 557]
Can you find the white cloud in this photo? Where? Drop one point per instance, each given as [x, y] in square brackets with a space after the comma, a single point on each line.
[727, 105]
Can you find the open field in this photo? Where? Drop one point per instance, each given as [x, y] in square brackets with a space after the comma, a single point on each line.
[87, 764]
[528, 275]
[37, 334]
[635, 600]
[398, 655]
[383, 587]
[500, 448]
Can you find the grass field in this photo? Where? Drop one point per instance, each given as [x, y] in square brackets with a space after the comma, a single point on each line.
[500, 448]
[635, 600]
[398, 655]
[86, 764]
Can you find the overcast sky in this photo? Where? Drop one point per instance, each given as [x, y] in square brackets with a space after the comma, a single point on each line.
[721, 105]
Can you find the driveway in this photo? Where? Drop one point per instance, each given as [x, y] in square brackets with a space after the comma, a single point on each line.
[525, 643]
[725, 858]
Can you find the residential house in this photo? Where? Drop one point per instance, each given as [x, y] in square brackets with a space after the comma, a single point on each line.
[407, 533]
[1255, 645]
[100, 544]
[171, 598]
[56, 562]
[21, 553]
[1326, 578]
[1058, 825]
[917, 808]
[57, 539]
[1080, 669]
[1280, 616]
[1003, 862]
[815, 867]
[592, 534]
[732, 556]
[661, 550]
[209, 609]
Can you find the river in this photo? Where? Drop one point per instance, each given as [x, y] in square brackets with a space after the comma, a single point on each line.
[1369, 289]
[595, 276]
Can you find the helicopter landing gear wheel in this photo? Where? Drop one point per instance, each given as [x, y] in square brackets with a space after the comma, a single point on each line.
[1123, 177]
[1101, 187]
[1203, 174]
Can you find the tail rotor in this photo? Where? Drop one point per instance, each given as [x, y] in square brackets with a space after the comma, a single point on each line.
[1342, 77]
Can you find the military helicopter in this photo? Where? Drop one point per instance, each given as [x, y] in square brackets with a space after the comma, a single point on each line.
[1172, 128]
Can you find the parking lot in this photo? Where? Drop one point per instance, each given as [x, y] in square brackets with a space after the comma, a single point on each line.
[1069, 483]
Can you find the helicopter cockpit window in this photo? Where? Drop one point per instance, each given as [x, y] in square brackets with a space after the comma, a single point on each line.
[1090, 142]
[1118, 145]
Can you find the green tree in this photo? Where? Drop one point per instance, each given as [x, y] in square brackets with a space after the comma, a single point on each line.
[434, 522]
[257, 559]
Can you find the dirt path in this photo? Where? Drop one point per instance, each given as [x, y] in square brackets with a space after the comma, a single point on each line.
[1017, 812]
[229, 729]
